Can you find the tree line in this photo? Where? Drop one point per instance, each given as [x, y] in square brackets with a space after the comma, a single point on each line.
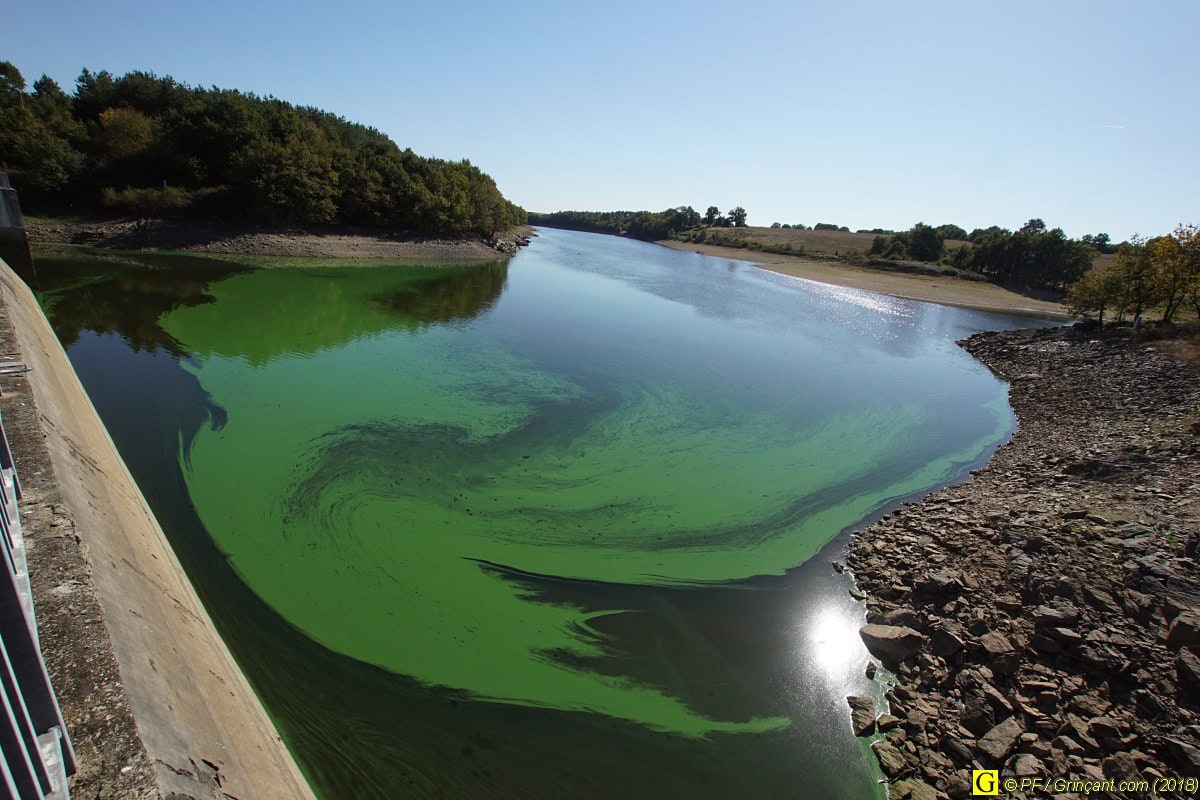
[1032, 256]
[647, 225]
[1158, 273]
[149, 145]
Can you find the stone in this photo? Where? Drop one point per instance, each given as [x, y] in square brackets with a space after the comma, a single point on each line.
[1106, 732]
[1121, 767]
[891, 760]
[1055, 616]
[871, 670]
[1184, 631]
[1000, 740]
[1185, 754]
[912, 789]
[891, 643]
[886, 722]
[862, 715]
[995, 644]
[944, 643]
[1025, 766]
[1187, 669]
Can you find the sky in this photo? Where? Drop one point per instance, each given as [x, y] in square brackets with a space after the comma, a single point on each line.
[864, 114]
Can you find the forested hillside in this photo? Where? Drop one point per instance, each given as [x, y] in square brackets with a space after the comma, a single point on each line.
[148, 145]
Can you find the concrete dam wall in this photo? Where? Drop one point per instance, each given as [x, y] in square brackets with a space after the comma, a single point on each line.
[154, 702]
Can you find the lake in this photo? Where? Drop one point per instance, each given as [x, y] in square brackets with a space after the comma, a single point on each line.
[553, 527]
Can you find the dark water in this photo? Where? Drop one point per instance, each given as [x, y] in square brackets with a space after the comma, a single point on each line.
[536, 529]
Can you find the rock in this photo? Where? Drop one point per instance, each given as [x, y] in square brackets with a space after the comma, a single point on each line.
[943, 642]
[1185, 754]
[1001, 656]
[1000, 740]
[1121, 767]
[977, 715]
[995, 644]
[891, 644]
[912, 789]
[1184, 631]
[958, 787]
[1026, 765]
[1106, 733]
[862, 715]
[886, 722]
[891, 760]
[871, 670]
[1187, 669]
[1055, 616]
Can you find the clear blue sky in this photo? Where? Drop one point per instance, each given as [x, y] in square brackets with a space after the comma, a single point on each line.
[864, 114]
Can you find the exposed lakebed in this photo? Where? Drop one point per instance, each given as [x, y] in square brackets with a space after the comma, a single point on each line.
[536, 528]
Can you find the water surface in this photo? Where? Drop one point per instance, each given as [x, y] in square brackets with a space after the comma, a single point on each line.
[505, 530]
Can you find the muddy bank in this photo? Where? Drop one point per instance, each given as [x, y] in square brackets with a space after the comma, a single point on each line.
[154, 703]
[316, 242]
[1045, 616]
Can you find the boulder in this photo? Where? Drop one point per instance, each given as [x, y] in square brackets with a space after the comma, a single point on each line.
[1000, 740]
[1187, 669]
[944, 642]
[1184, 631]
[891, 644]
[891, 760]
[862, 715]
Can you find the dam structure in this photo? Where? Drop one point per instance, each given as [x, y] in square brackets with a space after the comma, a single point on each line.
[150, 702]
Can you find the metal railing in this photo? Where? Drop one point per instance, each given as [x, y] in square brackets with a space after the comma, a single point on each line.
[33, 738]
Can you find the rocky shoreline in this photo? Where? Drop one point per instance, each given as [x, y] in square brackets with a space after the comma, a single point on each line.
[210, 236]
[1043, 618]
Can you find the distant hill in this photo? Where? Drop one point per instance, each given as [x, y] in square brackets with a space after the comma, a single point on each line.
[150, 146]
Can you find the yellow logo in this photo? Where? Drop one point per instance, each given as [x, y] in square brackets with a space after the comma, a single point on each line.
[985, 781]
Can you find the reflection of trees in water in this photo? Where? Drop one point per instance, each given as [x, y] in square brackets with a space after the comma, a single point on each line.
[126, 296]
[457, 296]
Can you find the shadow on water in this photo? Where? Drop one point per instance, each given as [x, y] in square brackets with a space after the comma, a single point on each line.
[359, 731]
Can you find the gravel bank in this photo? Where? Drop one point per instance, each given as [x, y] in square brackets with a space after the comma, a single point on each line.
[1044, 617]
[316, 242]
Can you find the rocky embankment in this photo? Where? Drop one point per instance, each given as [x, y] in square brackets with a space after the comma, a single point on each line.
[1043, 618]
[317, 242]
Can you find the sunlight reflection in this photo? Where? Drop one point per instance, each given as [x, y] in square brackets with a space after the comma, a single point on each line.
[833, 636]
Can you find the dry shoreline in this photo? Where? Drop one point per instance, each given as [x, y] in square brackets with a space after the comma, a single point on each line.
[1043, 618]
[154, 702]
[977, 295]
[229, 239]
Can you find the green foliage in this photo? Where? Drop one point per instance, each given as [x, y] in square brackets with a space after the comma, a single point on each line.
[149, 202]
[1094, 292]
[826, 226]
[119, 141]
[1163, 272]
[951, 232]
[648, 225]
[737, 217]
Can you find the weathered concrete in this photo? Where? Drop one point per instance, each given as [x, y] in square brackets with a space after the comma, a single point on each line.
[101, 561]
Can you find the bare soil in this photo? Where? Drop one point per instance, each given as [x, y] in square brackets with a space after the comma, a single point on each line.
[228, 238]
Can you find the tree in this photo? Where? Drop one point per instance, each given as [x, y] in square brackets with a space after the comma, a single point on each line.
[1034, 225]
[1141, 287]
[1094, 292]
[924, 243]
[1177, 258]
[951, 232]
[1101, 242]
[737, 216]
[711, 215]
